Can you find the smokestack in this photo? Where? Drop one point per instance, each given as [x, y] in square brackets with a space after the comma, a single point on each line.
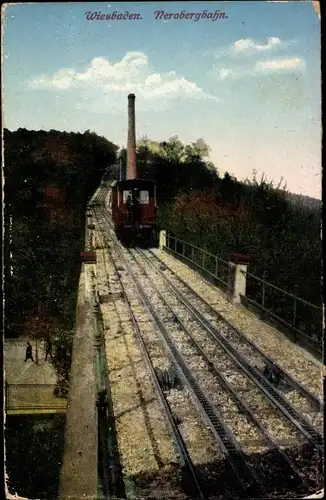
[131, 146]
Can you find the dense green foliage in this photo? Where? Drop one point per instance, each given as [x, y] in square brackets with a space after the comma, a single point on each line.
[49, 176]
[224, 216]
[34, 447]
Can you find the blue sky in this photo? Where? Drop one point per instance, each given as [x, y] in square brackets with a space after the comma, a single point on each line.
[249, 83]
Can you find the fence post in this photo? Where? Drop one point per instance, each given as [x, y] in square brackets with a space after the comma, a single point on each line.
[162, 239]
[237, 277]
[294, 312]
[216, 266]
[295, 318]
[263, 291]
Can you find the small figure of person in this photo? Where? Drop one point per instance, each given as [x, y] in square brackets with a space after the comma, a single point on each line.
[129, 206]
[29, 353]
[129, 201]
[48, 349]
[136, 207]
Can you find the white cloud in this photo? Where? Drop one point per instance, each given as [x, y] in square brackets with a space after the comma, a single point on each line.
[280, 64]
[102, 70]
[62, 79]
[130, 74]
[224, 73]
[284, 65]
[153, 79]
[249, 47]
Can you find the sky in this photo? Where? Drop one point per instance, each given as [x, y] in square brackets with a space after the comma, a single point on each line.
[243, 75]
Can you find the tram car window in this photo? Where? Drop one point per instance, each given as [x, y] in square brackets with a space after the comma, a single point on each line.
[143, 197]
[127, 196]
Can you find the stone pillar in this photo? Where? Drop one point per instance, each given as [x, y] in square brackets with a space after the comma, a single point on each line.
[237, 277]
[162, 239]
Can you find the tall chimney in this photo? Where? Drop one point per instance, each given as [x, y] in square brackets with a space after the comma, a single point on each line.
[131, 146]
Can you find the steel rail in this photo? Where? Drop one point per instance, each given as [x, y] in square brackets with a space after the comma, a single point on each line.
[109, 475]
[244, 473]
[176, 435]
[236, 397]
[293, 383]
[265, 386]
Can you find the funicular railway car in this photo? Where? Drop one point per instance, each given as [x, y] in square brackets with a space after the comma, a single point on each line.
[133, 205]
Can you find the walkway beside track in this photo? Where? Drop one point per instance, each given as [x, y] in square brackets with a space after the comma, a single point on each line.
[79, 474]
[79, 471]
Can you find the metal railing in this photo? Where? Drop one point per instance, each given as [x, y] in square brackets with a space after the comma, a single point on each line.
[293, 312]
[206, 261]
[32, 396]
[289, 309]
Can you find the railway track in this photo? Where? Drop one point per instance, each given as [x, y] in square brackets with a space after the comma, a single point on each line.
[244, 474]
[223, 333]
[185, 308]
[239, 399]
[190, 475]
[284, 459]
[234, 335]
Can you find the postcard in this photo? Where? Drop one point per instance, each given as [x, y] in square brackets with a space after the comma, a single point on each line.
[162, 250]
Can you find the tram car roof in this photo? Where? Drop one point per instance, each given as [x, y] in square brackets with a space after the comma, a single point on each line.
[134, 183]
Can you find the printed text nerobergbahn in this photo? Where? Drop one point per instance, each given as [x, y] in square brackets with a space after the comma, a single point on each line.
[160, 15]
[194, 16]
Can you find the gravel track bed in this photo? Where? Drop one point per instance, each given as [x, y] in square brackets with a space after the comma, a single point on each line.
[278, 426]
[244, 431]
[307, 371]
[293, 359]
[290, 357]
[299, 402]
[144, 440]
[237, 423]
[274, 421]
[199, 440]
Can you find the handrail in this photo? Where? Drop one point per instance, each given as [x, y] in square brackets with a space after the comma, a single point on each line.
[218, 260]
[290, 318]
[29, 406]
[30, 385]
[198, 248]
[281, 290]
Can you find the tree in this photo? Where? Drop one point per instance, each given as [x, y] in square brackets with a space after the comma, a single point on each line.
[197, 151]
[47, 229]
[173, 149]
